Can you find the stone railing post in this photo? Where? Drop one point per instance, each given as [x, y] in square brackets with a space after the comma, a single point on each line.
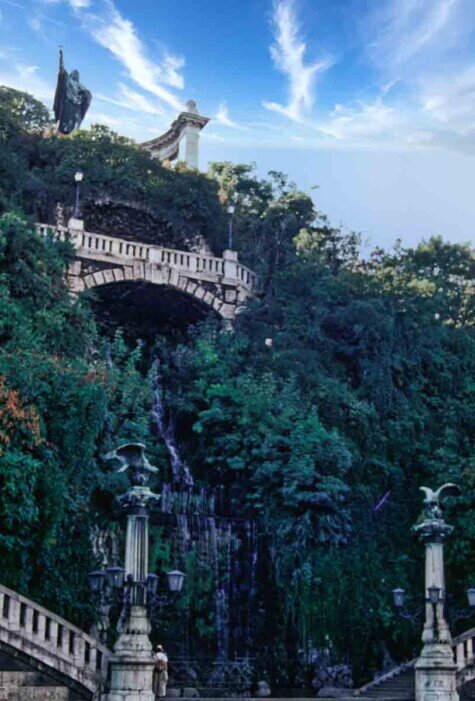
[14, 614]
[436, 669]
[40, 631]
[53, 633]
[470, 658]
[28, 620]
[230, 259]
[79, 651]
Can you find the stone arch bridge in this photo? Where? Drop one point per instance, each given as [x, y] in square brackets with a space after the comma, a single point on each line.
[202, 281]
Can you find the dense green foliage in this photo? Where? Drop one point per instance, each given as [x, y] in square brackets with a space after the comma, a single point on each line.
[343, 382]
[123, 188]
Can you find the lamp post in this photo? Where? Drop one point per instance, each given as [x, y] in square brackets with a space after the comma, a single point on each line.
[131, 672]
[415, 616]
[230, 210]
[131, 668]
[78, 177]
[106, 588]
[435, 669]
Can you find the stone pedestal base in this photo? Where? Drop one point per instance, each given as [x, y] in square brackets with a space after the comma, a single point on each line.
[76, 224]
[436, 674]
[131, 669]
[131, 680]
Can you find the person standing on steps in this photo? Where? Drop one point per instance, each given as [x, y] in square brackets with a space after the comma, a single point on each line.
[161, 672]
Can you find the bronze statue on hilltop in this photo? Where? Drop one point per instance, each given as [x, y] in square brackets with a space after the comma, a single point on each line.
[71, 99]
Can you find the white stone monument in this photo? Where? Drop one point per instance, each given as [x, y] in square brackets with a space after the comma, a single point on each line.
[131, 668]
[181, 141]
[436, 669]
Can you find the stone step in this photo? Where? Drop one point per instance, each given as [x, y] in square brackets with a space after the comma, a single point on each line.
[34, 693]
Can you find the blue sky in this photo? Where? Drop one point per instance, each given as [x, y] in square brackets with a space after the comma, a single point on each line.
[372, 100]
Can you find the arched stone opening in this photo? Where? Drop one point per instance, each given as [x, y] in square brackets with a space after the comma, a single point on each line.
[144, 309]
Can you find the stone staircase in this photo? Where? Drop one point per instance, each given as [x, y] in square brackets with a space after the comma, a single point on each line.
[396, 685]
[19, 682]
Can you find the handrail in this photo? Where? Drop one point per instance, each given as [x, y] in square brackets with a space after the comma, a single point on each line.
[463, 646]
[105, 247]
[54, 635]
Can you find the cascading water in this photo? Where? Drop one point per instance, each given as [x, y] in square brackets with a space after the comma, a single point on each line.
[224, 545]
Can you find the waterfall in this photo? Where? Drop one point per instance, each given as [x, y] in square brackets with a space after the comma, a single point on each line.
[180, 470]
[226, 545]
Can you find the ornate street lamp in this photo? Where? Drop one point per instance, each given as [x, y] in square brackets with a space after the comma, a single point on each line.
[78, 177]
[115, 577]
[133, 589]
[399, 598]
[471, 596]
[175, 581]
[230, 210]
[155, 601]
[96, 581]
[434, 594]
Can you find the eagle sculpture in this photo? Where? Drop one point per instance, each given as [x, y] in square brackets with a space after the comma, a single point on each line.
[434, 500]
[132, 455]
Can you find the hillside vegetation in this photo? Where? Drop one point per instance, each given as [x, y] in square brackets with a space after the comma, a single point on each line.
[344, 382]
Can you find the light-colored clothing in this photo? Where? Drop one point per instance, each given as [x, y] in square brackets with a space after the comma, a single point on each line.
[161, 674]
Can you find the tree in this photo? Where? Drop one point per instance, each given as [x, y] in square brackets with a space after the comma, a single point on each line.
[22, 110]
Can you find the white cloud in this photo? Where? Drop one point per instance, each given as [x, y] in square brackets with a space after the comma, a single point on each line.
[118, 34]
[132, 100]
[404, 28]
[101, 118]
[222, 117]
[450, 99]
[24, 76]
[288, 55]
[365, 122]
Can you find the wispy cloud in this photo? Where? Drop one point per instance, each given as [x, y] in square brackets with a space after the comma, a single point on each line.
[404, 28]
[288, 54]
[102, 118]
[79, 4]
[450, 100]
[132, 100]
[222, 117]
[119, 35]
[364, 121]
[24, 76]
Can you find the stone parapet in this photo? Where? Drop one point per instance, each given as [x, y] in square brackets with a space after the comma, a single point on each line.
[223, 284]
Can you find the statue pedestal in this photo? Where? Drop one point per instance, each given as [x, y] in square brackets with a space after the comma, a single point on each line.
[131, 680]
[436, 673]
[76, 224]
[132, 667]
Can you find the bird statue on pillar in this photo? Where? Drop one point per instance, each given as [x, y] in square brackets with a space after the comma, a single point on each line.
[132, 455]
[434, 500]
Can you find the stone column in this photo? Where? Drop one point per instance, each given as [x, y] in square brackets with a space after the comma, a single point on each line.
[230, 259]
[191, 137]
[76, 224]
[131, 669]
[436, 669]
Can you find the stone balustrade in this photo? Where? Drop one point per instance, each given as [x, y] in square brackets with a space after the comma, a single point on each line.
[110, 249]
[52, 641]
[464, 655]
[464, 649]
